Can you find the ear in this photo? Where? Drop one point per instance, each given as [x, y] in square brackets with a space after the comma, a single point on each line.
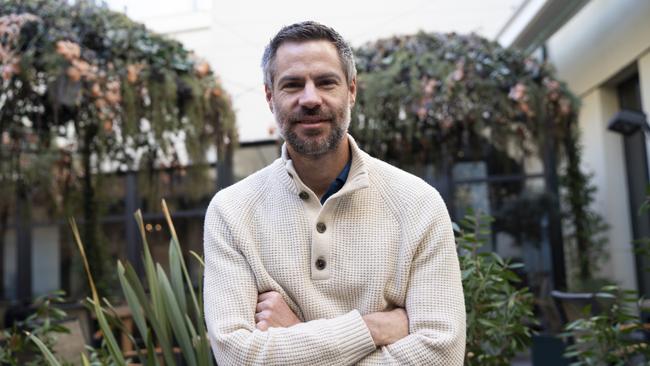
[269, 96]
[352, 90]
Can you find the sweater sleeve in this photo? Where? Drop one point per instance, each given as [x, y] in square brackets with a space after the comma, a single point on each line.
[435, 303]
[230, 298]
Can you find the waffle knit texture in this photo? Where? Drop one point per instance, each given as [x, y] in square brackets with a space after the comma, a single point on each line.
[383, 241]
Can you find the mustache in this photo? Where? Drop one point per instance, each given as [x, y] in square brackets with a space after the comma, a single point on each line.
[311, 115]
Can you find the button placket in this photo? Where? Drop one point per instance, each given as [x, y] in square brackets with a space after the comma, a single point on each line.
[321, 245]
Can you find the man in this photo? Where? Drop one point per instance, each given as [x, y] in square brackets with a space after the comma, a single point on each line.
[328, 256]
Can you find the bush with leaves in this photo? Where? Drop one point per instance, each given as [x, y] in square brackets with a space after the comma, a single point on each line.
[167, 315]
[499, 314]
[614, 337]
[44, 323]
[86, 90]
[432, 98]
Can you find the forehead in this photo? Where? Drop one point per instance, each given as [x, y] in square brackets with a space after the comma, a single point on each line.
[303, 58]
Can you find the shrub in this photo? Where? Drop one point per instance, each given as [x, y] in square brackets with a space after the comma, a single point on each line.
[168, 314]
[498, 313]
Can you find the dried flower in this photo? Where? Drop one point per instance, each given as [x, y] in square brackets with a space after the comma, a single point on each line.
[201, 69]
[517, 92]
[96, 90]
[73, 73]
[132, 72]
[69, 50]
[113, 97]
[565, 106]
[10, 69]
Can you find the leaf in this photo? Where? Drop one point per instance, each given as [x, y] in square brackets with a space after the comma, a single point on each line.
[157, 324]
[114, 349]
[133, 302]
[176, 318]
[176, 275]
[49, 357]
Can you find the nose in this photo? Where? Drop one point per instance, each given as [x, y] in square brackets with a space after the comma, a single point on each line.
[310, 98]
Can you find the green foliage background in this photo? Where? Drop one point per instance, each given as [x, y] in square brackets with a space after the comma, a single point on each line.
[439, 98]
[87, 90]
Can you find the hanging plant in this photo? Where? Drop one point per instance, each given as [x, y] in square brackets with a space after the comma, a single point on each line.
[440, 98]
[93, 91]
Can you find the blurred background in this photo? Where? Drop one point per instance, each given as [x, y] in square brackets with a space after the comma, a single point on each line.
[530, 111]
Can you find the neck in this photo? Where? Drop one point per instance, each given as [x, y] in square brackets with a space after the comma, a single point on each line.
[317, 172]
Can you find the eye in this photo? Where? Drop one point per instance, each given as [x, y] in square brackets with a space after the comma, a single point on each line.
[328, 83]
[291, 85]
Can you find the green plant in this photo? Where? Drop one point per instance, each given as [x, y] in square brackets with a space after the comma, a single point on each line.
[168, 314]
[499, 314]
[610, 338]
[436, 99]
[85, 90]
[43, 323]
[584, 228]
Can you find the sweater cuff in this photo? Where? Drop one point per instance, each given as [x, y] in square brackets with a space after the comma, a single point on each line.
[354, 338]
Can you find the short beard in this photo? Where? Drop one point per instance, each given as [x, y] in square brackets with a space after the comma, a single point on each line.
[316, 148]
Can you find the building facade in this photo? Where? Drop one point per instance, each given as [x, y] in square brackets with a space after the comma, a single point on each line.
[601, 48]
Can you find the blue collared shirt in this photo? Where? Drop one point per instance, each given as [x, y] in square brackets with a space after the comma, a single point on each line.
[338, 183]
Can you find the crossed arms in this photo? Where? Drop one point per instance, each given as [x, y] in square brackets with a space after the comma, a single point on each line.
[248, 328]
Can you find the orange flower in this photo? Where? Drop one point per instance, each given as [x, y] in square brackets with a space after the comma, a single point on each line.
[96, 90]
[132, 72]
[73, 73]
[113, 97]
[201, 69]
[10, 69]
[69, 50]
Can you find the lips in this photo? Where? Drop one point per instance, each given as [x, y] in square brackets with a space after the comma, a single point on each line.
[312, 121]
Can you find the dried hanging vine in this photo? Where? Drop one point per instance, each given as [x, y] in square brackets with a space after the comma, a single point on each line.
[86, 90]
[437, 98]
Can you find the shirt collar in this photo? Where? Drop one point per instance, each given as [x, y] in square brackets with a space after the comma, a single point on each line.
[357, 174]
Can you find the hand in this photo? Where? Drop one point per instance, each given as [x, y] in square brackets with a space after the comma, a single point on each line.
[272, 311]
[387, 327]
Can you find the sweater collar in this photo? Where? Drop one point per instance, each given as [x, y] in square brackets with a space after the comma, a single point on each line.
[357, 178]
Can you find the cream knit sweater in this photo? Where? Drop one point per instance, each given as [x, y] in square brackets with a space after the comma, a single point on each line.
[383, 241]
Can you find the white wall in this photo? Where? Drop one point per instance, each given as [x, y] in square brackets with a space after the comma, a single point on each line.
[643, 65]
[603, 156]
[603, 38]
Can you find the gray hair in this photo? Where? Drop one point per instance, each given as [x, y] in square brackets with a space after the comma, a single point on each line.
[308, 31]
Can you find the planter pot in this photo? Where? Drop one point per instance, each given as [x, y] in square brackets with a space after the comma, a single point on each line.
[548, 349]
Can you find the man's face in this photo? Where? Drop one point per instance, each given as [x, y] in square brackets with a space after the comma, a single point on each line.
[310, 97]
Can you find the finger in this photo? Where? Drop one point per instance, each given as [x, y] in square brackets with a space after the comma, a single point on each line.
[264, 305]
[267, 295]
[263, 325]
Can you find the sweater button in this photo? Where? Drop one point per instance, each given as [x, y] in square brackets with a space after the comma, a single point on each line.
[320, 263]
[320, 227]
[303, 196]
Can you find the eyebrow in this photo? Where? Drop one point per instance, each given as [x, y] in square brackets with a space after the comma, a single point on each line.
[327, 75]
